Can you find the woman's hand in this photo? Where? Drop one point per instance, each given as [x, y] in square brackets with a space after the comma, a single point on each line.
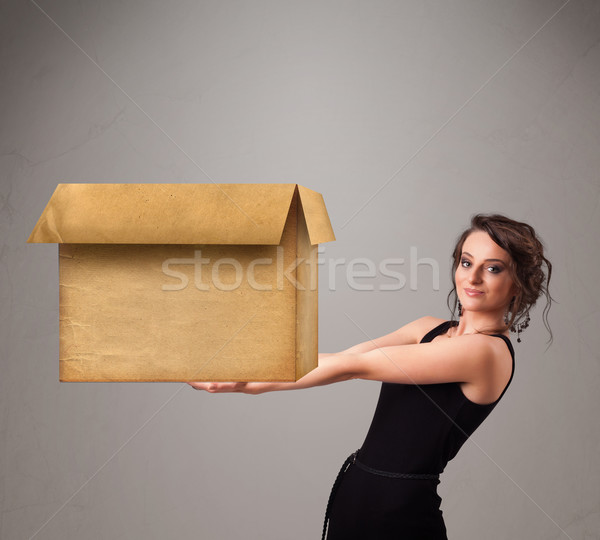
[242, 387]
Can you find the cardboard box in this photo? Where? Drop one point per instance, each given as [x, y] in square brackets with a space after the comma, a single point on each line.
[186, 282]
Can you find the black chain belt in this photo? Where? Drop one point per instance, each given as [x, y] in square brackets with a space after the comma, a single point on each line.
[419, 476]
[352, 460]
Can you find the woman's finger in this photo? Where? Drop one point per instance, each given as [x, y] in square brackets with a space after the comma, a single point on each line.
[219, 387]
[199, 385]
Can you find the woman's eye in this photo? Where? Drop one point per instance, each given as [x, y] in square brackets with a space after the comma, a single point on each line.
[493, 269]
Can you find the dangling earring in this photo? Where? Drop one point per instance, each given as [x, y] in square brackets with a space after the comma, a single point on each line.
[459, 309]
[521, 326]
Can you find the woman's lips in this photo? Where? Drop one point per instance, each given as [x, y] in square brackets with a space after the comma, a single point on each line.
[473, 292]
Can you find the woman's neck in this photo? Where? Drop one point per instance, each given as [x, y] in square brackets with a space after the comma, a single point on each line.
[472, 322]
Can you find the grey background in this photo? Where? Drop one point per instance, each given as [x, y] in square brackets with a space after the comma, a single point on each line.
[426, 111]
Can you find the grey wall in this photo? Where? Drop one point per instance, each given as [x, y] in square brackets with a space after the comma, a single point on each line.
[408, 117]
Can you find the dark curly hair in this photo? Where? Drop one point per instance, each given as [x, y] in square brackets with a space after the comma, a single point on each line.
[527, 258]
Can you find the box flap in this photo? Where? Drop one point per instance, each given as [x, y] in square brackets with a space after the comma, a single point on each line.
[176, 214]
[317, 218]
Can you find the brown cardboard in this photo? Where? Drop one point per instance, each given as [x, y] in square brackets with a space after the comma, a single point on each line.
[126, 250]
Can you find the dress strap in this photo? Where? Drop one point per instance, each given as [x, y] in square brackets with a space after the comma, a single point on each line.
[512, 353]
[439, 329]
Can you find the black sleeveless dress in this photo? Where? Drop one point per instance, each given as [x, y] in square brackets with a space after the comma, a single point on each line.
[416, 429]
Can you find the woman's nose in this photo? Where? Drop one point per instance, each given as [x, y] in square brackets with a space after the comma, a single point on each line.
[475, 276]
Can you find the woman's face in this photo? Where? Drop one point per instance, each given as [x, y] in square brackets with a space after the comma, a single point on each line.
[483, 280]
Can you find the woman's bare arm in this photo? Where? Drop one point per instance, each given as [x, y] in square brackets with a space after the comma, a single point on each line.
[332, 368]
[407, 334]
[467, 358]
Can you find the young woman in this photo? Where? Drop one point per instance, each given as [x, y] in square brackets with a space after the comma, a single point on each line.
[440, 378]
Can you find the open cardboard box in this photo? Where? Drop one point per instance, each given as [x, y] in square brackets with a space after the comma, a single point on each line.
[186, 282]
